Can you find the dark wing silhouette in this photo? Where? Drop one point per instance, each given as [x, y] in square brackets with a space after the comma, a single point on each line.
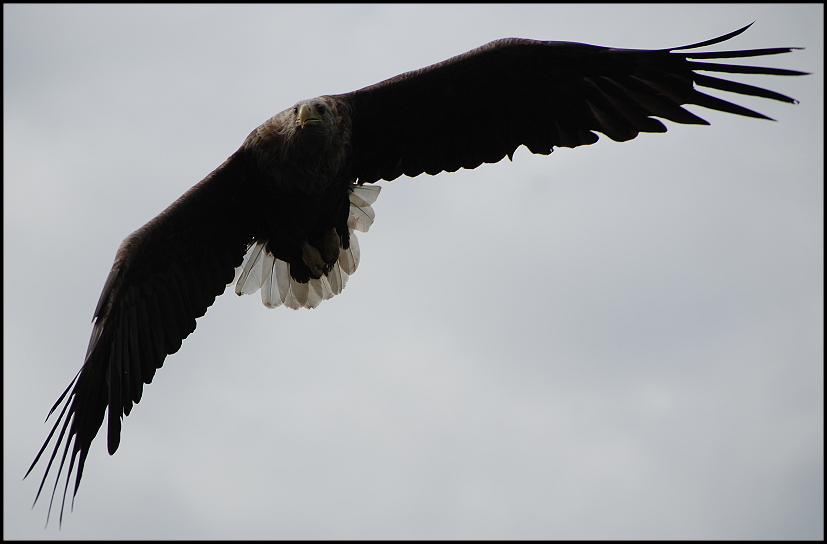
[480, 106]
[166, 274]
[474, 108]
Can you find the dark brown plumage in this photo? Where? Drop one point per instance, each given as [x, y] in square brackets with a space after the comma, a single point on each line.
[292, 195]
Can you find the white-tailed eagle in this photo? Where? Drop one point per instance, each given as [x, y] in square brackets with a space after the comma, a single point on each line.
[284, 207]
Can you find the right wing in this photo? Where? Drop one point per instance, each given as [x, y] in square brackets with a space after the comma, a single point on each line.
[165, 275]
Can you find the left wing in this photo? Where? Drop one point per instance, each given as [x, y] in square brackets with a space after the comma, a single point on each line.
[481, 105]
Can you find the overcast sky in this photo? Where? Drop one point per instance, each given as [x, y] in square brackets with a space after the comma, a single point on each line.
[616, 341]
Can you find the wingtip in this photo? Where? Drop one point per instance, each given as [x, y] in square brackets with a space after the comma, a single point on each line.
[713, 41]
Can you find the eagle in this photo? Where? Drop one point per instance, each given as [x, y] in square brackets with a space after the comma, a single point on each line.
[279, 215]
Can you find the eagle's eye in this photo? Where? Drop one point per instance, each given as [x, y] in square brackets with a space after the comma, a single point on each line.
[321, 109]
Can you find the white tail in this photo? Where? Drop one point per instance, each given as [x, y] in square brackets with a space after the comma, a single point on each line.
[261, 270]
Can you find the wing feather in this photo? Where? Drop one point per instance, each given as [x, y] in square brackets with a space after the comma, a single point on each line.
[165, 276]
[480, 106]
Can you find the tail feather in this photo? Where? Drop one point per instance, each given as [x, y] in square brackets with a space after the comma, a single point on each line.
[262, 270]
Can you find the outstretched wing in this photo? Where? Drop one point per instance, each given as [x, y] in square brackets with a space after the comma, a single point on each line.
[480, 106]
[166, 274]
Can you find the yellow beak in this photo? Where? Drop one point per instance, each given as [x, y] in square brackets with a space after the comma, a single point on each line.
[307, 115]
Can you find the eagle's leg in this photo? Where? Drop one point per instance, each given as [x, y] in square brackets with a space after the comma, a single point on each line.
[322, 254]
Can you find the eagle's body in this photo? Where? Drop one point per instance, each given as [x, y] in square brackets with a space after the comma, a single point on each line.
[303, 155]
[293, 194]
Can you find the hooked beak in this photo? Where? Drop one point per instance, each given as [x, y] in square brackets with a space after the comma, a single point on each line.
[307, 115]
